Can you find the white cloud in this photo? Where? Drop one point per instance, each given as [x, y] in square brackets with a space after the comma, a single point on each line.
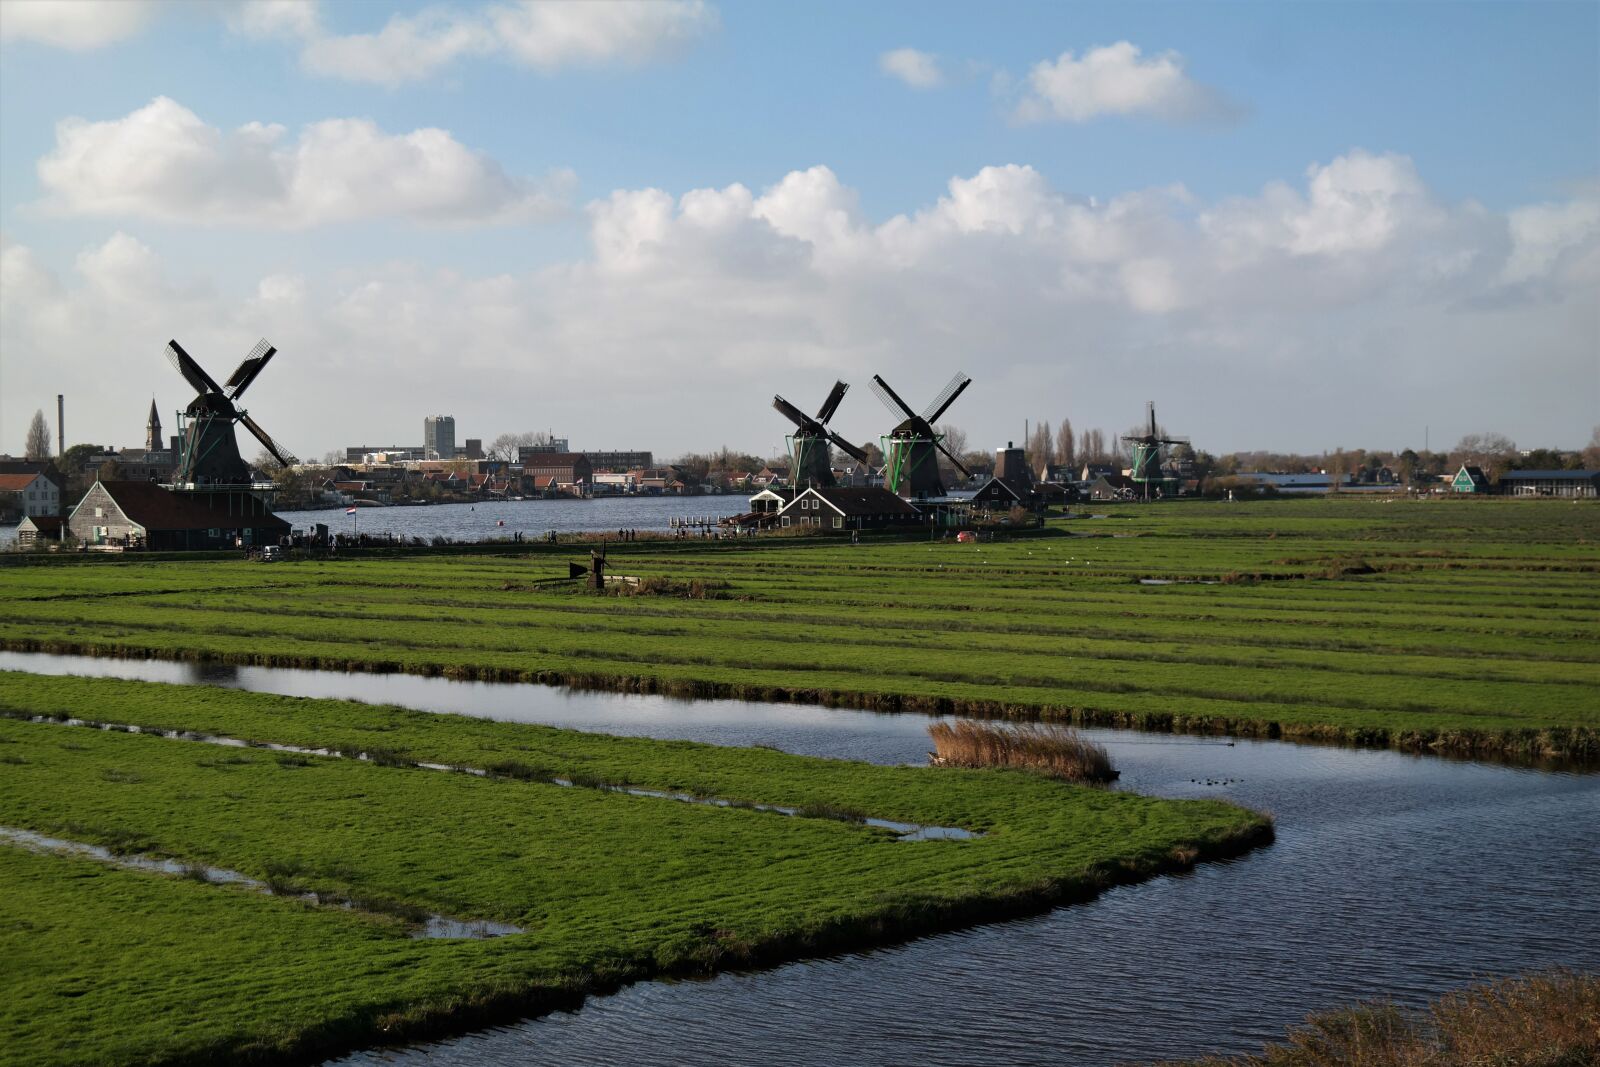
[544, 35]
[920, 70]
[79, 25]
[163, 162]
[1118, 79]
[1309, 315]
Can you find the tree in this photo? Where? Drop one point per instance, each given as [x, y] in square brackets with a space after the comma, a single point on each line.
[1040, 449]
[38, 446]
[1066, 451]
[1591, 455]
[1493, 452]
[504, 447]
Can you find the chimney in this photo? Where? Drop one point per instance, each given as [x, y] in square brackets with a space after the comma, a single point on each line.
[61, 425]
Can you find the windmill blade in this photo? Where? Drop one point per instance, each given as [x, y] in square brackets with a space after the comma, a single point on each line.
[890, 398]
[249, 367]
[268, 443]
[854, 451]
[946, 397]
[830, 405]
[794, 414]
[951, 456]
[192, 372]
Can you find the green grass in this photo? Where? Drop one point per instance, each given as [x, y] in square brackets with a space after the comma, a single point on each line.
[109, 965]
[1464, 626]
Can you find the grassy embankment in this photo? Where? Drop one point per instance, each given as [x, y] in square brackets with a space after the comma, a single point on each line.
[1539, 1020]
[111, 965]
[1457, 626]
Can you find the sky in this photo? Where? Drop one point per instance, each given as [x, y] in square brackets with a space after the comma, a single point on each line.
[1293, 227]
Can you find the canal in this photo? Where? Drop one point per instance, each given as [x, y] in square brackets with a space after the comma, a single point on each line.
[1391, 874]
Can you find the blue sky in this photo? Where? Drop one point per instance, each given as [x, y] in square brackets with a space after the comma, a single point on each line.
[1493, 109]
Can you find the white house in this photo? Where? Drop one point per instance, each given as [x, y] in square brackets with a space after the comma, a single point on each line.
[35, 494]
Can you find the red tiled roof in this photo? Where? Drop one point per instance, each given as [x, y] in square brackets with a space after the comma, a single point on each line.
[16, 483]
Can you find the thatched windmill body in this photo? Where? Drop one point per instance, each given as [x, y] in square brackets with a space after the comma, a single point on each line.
[209, 452]
[911, 450]
[808, 445]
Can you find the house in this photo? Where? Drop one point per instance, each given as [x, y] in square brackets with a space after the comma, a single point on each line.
[30, 493]
[1470, 480]
[1551, 483]
[1114, 487]
[146, 515]
[37, 528]
[840, 508]
[768, 477]
[769, 502]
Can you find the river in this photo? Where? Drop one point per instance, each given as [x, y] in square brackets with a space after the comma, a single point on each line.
[1392, 875]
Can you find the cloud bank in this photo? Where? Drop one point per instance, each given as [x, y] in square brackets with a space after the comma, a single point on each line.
[79, 26]
[1345, 308]
[544, 35]
[163, 162]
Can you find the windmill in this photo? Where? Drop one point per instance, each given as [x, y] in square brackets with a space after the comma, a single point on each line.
[912, 468]
[209, 454]
[1146, 449]
[808, 445]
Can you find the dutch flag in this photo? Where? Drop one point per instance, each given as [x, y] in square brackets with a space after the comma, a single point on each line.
[351, 510]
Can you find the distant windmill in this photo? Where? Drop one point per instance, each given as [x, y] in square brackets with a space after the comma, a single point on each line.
[1146, 449]
[808, 445]
[912, 468]
[210, 452]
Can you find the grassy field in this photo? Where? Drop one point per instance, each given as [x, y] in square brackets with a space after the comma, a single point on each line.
[113, 965]
[1460, 626]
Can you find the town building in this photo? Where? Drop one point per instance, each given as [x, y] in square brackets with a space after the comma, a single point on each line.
[439, 436]
[126, 514]
[557, 470]
[619, 461]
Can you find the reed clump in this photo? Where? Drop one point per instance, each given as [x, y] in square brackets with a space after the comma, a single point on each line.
[1548, 1019]
[1050, 748]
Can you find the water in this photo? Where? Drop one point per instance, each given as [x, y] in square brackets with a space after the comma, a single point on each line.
[532, 518]
[1392, 875]
[433, 926]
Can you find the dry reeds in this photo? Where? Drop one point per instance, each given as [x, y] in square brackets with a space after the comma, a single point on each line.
[1551, 1019]
[1050, 748]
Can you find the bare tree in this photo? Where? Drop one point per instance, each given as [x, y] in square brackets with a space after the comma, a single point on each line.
[1066, 452]
[1492, 452]
[38, 446]
[504, 447]
[1591, 455]
[1039, 449]
[955, 438]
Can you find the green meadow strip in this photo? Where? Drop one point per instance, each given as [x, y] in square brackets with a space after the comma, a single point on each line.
[115, 966]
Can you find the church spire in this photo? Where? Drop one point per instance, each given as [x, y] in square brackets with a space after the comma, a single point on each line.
[152, 440]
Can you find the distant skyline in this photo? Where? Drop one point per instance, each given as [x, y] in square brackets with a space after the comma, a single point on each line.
[1294, 227]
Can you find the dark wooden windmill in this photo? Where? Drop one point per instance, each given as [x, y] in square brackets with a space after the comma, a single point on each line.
[910, 449]
[808, 445]
[1146, 453]
[209, 453]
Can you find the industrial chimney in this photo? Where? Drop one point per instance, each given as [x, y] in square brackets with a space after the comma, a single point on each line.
[61, 426]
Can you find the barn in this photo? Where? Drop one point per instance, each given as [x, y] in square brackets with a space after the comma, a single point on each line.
[145, 515]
